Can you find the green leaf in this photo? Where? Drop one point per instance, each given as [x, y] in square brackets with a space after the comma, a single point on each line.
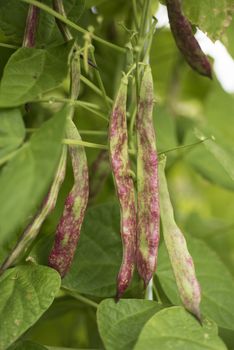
[216, 282]
[94, 270]
[26, 178]
[27, 345]
[32, 72]
[212, 159]
[120, 323]
[174, 328]
[12, 130]
[26, 293]
[212, 17]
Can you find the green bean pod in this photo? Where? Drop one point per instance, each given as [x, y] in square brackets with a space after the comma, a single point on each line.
[185, 40]
[148, 220]
[68, 230]
[119, 159]
[181, 260]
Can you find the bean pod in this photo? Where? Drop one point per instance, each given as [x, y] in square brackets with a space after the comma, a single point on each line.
[148, 220]
[48, 205]
[119, 159]
[68, 229]
[181, 260]
[185, 40]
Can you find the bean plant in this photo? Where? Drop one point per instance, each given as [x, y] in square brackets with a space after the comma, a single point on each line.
[116, 176]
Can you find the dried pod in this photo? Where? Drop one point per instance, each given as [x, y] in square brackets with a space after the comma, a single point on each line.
[148, 220]
[68, 229]
[181, 260]
[118, 143]
[185, 40]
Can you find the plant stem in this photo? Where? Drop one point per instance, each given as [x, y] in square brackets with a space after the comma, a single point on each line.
[157, 294]
[94, 88]
[90, 145]
[93, 132]
[134, 7]
[84, 143]
[31, 26]
[81, 298]
[58, 7]
[185, 146]
[100, 82]
[73, 25]
[9, 46]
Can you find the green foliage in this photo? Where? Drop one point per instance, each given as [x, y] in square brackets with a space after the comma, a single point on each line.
[24, 285]
[193, 120]
[175, 328]
[22, 176]
[32, 72]
[120, 323]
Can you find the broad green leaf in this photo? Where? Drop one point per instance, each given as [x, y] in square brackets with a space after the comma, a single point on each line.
[162, 57]
[174, 328]
[216, 282]
[12, 130]
[213, 159]
[120, 323]
[95, 269]
[26, 178]
[32, 72]
[212, 17]
[26, 293]
[27, 345]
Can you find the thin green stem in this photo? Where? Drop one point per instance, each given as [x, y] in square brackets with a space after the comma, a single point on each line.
[100, 82]
[91, 145]
[66, 100]
[157, 294]
[184, 146]
[9, 46]
[81, 298]
[93, 132]
[100, 115]
[73, 25]
[84, 143]
[94, 88]
[134, 7]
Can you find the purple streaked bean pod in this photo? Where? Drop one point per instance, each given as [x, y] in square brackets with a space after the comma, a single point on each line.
[118, 148]
[68, 230]
[185, 40]
[31, 26]
[148, 220]
[181, 260]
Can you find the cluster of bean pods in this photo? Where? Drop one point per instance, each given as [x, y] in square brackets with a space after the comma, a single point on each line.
[140, 224]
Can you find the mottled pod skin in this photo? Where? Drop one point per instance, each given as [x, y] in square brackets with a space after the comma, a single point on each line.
[148, 220]
[68, 230]
[100, 170]
[31, 26]
[118, 143]
[181, 260]
[185, 40]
